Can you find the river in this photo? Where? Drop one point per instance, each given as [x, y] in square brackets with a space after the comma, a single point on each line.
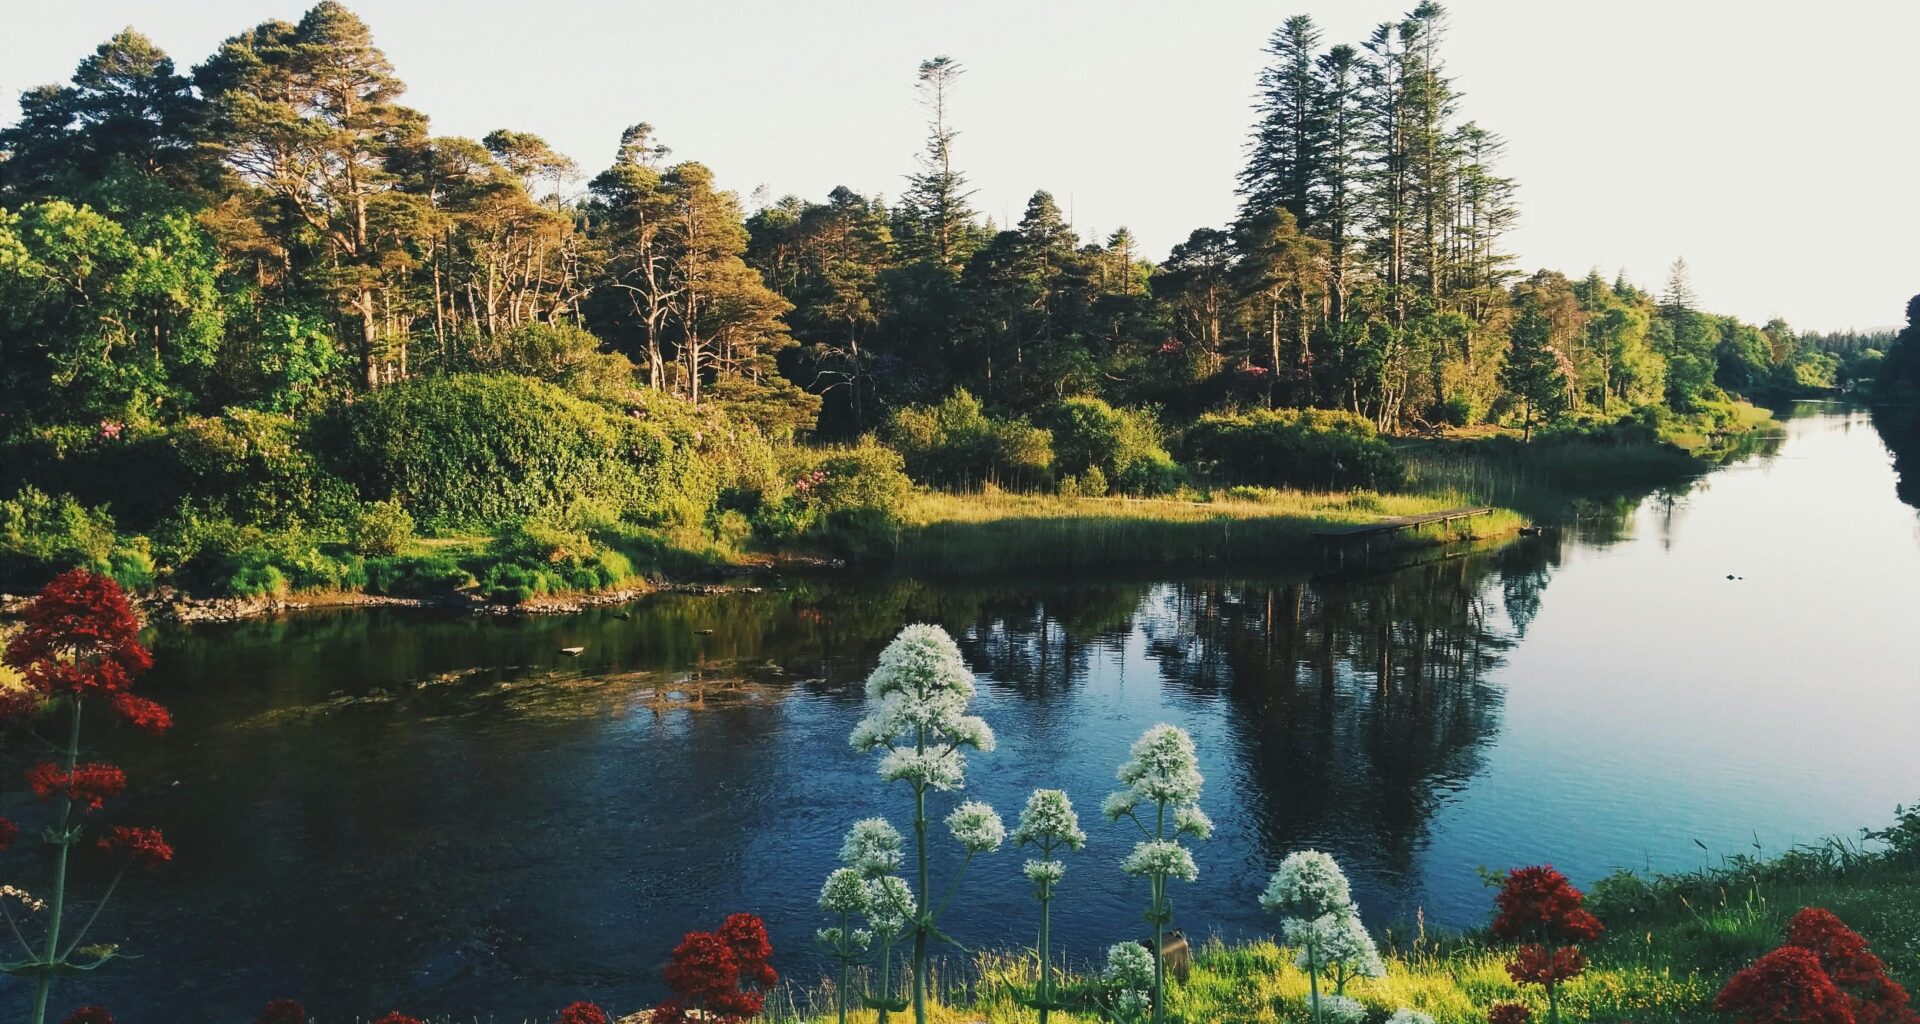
[445, 815]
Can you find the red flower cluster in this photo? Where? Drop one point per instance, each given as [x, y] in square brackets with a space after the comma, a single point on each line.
[143, 713]
[719, 977]
[396, 1017]
[1534, 964]
[80, 638]
[1861, 976]
[147, 845]
[8, 833]
[282, 1011]
[1539, 905]
[88, 1015]
[1786, 986]
[582, 1013]
[1509, 1013]
[89, 783]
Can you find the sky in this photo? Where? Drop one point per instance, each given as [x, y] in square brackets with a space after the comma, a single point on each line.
[1770, 144]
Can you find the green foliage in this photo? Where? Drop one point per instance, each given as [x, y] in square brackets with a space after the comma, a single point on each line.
[854, 498]
[42, 536]
[427, 575]
[380, 529]
[956, 444]
[1309, 448]
[1123, 446]
[215, 556]
[480, 452]
[544, 557]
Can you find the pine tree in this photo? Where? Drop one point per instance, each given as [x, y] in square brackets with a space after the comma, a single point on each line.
[935, 202]
[1285, 150]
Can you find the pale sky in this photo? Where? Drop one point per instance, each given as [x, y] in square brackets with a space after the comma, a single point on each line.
[1773, 145]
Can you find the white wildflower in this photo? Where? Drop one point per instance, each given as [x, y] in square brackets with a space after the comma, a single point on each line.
[1044, 872]
[1307, 885]
[1341, 946]
[977, 827]
[934, 769]
[1406, 1016]
[1129, 965]
[1162, 767]
[844, 893]
[1160, 858]
[1343, 1010]
[1049, 820]
[1192, 821]
[855, 941]
[918, 697]
[873, 847]
[890, 906]
[1119, 805]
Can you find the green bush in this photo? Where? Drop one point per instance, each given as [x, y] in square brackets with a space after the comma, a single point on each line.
[853, 498]
[416, 575]
[1124, 445]
[216, 556]
[479, 452]
[956, 444]
[1309, 448]
[539, 557]
[381, 528]
[42, 536]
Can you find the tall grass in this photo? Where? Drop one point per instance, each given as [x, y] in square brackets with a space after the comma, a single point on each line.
[994, 531]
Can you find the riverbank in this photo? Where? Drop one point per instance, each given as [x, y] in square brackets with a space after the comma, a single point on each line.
[1671, 944]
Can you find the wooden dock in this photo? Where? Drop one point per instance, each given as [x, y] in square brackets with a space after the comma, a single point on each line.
[1335, 540]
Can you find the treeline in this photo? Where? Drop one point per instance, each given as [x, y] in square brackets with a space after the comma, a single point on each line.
[269, 277]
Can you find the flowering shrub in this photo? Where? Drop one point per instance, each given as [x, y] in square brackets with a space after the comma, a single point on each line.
[1319, 918]
[80, 643]
[282, 1011]
[873, 850]
[582, 1013]
[1786, 985]
[1163, 773]
[917, 699]
[1541, 911]
[1872, 996]
[1049, 824]
[719, 977]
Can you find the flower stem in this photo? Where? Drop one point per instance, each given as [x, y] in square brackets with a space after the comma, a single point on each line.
[65, 843]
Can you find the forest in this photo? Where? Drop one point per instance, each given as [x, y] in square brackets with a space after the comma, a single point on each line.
[261, 329]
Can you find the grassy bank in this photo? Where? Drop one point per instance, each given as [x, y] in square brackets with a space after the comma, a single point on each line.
[1672, 942]
[996, 531]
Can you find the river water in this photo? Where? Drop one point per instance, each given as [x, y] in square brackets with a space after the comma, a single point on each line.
[447, 816]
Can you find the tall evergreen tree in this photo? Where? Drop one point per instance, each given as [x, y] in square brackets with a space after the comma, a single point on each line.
[1286, 149]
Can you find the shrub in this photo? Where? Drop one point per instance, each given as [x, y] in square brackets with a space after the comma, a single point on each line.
[1123, 445]
[540, 557]
[1311, 448]
[855, 496]
[416, 575]
[41, 535]
[719, 977]
[381, 528]
[217, 556]
[480, 452]
[956, 444]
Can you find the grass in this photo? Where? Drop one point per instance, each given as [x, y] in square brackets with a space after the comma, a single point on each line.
[992, 531]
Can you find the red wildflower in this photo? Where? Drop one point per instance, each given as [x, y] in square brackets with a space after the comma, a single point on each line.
[1538, 965]
[80, 638]
[1787, 985]
[1874, 997]
[396, 1017]
[88, 1015]
[1509, 1013]
[582, 1013]
[718, 977]
[143, 713]
[282, 1011]
[1538, 904]
[148, 846]
[8, 833]
[89, 783]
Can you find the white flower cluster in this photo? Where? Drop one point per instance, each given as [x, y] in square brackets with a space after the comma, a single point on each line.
[890, 906]
[1307, 885]
[1160, 858]
[1343, 1010]
[1129, 965]
[1406, 1016]
[873, 847]
[977, 827]
[1162, 767]
[1044, 873]
[919, 695]
[844, 893]
[1338, 943]
[1049, 820]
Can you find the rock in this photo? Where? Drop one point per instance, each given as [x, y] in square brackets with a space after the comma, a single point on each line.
[573, 652]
